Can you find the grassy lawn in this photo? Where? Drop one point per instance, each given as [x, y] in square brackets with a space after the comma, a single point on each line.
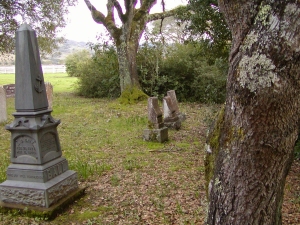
[61, 81]
[128, 180]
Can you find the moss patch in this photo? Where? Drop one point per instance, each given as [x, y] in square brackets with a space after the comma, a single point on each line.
[132, 96]
[212, 148]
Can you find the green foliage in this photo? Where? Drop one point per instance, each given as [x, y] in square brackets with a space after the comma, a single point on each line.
[75, 61]
[99, 77]
[45, 17]
[182, 68]
[206, 23]
[132, 96]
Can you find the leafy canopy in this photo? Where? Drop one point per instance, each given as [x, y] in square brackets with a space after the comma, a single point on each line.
[45, 17]
[206, 23]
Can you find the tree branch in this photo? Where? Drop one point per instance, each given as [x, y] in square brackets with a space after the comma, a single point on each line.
[119, 10]
[107, 21]
[110, 11]
[97, 16]
[162, 15]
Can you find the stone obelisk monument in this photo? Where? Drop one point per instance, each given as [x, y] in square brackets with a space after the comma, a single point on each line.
[38, 175]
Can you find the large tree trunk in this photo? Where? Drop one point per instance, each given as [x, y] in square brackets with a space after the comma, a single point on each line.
[253, 139]
[127, 52]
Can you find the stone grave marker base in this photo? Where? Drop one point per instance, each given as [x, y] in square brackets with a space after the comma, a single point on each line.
[160, 135]
[173, 124]
[41, 212]
[39, 194]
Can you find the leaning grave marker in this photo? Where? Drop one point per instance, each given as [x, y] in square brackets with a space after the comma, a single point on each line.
[173, 97]
[171, 119]
[38, 176]
[156, 130]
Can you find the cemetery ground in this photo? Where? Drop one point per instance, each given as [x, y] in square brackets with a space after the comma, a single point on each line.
[128, 180]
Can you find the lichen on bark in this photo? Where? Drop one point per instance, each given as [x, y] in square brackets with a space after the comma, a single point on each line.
[256, 72]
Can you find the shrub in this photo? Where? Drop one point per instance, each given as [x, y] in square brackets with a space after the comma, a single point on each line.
[98, 77]
[183, 69]
[74, 62]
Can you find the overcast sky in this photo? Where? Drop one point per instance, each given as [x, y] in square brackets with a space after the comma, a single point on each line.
[81, 26]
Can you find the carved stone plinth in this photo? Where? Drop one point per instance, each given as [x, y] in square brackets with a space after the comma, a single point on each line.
[39, 194]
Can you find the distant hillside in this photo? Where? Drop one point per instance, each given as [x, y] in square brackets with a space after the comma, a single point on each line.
[64, 50]
[57, 58]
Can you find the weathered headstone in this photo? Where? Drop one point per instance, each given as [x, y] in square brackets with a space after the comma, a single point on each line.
[3, 112]
[156, 130]
[10, 90]
[38, 175]
[173, 97]
[49, 91]
[171, 120]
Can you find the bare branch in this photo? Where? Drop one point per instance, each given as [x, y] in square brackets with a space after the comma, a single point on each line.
[97, 15]
[108, 21]
[162, 15]
[119, 10]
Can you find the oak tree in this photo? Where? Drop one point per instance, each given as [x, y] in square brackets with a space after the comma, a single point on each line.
[252, 140]
[133, 17]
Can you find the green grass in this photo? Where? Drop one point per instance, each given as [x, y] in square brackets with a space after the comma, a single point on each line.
[128, 180]
[61, 82]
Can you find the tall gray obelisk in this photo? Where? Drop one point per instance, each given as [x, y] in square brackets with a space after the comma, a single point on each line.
[38, 174]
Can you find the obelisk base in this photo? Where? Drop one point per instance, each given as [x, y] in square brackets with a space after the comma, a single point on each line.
[38, 194]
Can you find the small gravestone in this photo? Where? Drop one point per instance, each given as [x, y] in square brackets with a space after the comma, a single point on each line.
[171, 119]
[38, 177]
[3, 113]
[10, 90]
[49, 91]
[156, 130]
[173, 97]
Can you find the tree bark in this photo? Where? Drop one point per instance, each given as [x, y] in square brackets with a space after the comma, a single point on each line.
[253, 139]
[127, 52]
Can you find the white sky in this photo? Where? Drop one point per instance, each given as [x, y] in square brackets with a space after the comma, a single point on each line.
[81, 26]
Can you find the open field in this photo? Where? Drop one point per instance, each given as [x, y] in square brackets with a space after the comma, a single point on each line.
[128, 180]
[61, 81]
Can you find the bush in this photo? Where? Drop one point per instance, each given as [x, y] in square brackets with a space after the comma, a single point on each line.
[99, 77]
[75, 61]
[182, 68]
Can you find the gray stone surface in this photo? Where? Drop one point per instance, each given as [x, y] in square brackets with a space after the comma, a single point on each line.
[171, 119]
[173, 97]
[35, 139]
[39, 194]
[156, 130]
[3, 111]
[154, 113]
[159, 135]
[30, 90]
[38, 174]
[10, 90]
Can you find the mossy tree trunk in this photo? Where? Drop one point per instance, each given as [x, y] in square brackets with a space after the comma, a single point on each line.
[128, 35]
[253, 139]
